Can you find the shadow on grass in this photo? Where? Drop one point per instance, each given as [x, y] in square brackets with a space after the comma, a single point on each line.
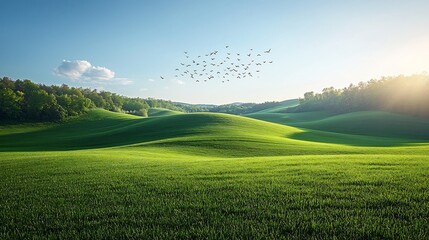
[91, 134]
[352, 140]
[96, 133]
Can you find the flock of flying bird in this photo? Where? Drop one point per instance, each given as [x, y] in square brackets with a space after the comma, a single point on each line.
[220, 66]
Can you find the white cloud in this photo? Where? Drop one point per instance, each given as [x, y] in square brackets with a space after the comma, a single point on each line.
[151, 80]
[143, 89]
[73, 69]
[81, 70]
[98, 73]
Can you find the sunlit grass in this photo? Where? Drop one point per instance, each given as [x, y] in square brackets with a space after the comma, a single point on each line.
[134, 193]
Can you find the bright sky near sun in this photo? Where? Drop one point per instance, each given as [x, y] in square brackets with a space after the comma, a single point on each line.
[125, 46]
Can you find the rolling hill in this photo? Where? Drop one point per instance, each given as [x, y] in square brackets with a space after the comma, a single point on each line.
[157, 112]
[367, 123]
[211, 175]
[210, 133]
[280, 106]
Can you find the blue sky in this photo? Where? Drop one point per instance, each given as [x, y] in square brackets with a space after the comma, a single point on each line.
[125, 46]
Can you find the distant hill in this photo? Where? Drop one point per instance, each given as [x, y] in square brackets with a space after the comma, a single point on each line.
[370, 123]
[247, 108]
[279, 106]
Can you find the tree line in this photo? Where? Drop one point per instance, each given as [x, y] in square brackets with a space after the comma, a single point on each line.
[401, 94]
[24, 100]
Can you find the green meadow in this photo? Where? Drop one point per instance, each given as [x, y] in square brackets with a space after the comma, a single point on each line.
[265, 175]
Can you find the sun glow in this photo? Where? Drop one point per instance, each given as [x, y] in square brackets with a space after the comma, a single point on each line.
[408, 93]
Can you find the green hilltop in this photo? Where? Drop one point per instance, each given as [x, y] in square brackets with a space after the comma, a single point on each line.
[158, 112]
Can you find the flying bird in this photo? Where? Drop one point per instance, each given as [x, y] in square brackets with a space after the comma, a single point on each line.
[214, 68]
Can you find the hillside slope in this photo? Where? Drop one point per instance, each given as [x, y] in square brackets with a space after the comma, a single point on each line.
[101, 128]
[159, 112]
[280, 106]
[198, 134]
[367, 123]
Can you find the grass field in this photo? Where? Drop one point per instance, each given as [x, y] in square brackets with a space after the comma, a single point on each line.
[207, 175]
